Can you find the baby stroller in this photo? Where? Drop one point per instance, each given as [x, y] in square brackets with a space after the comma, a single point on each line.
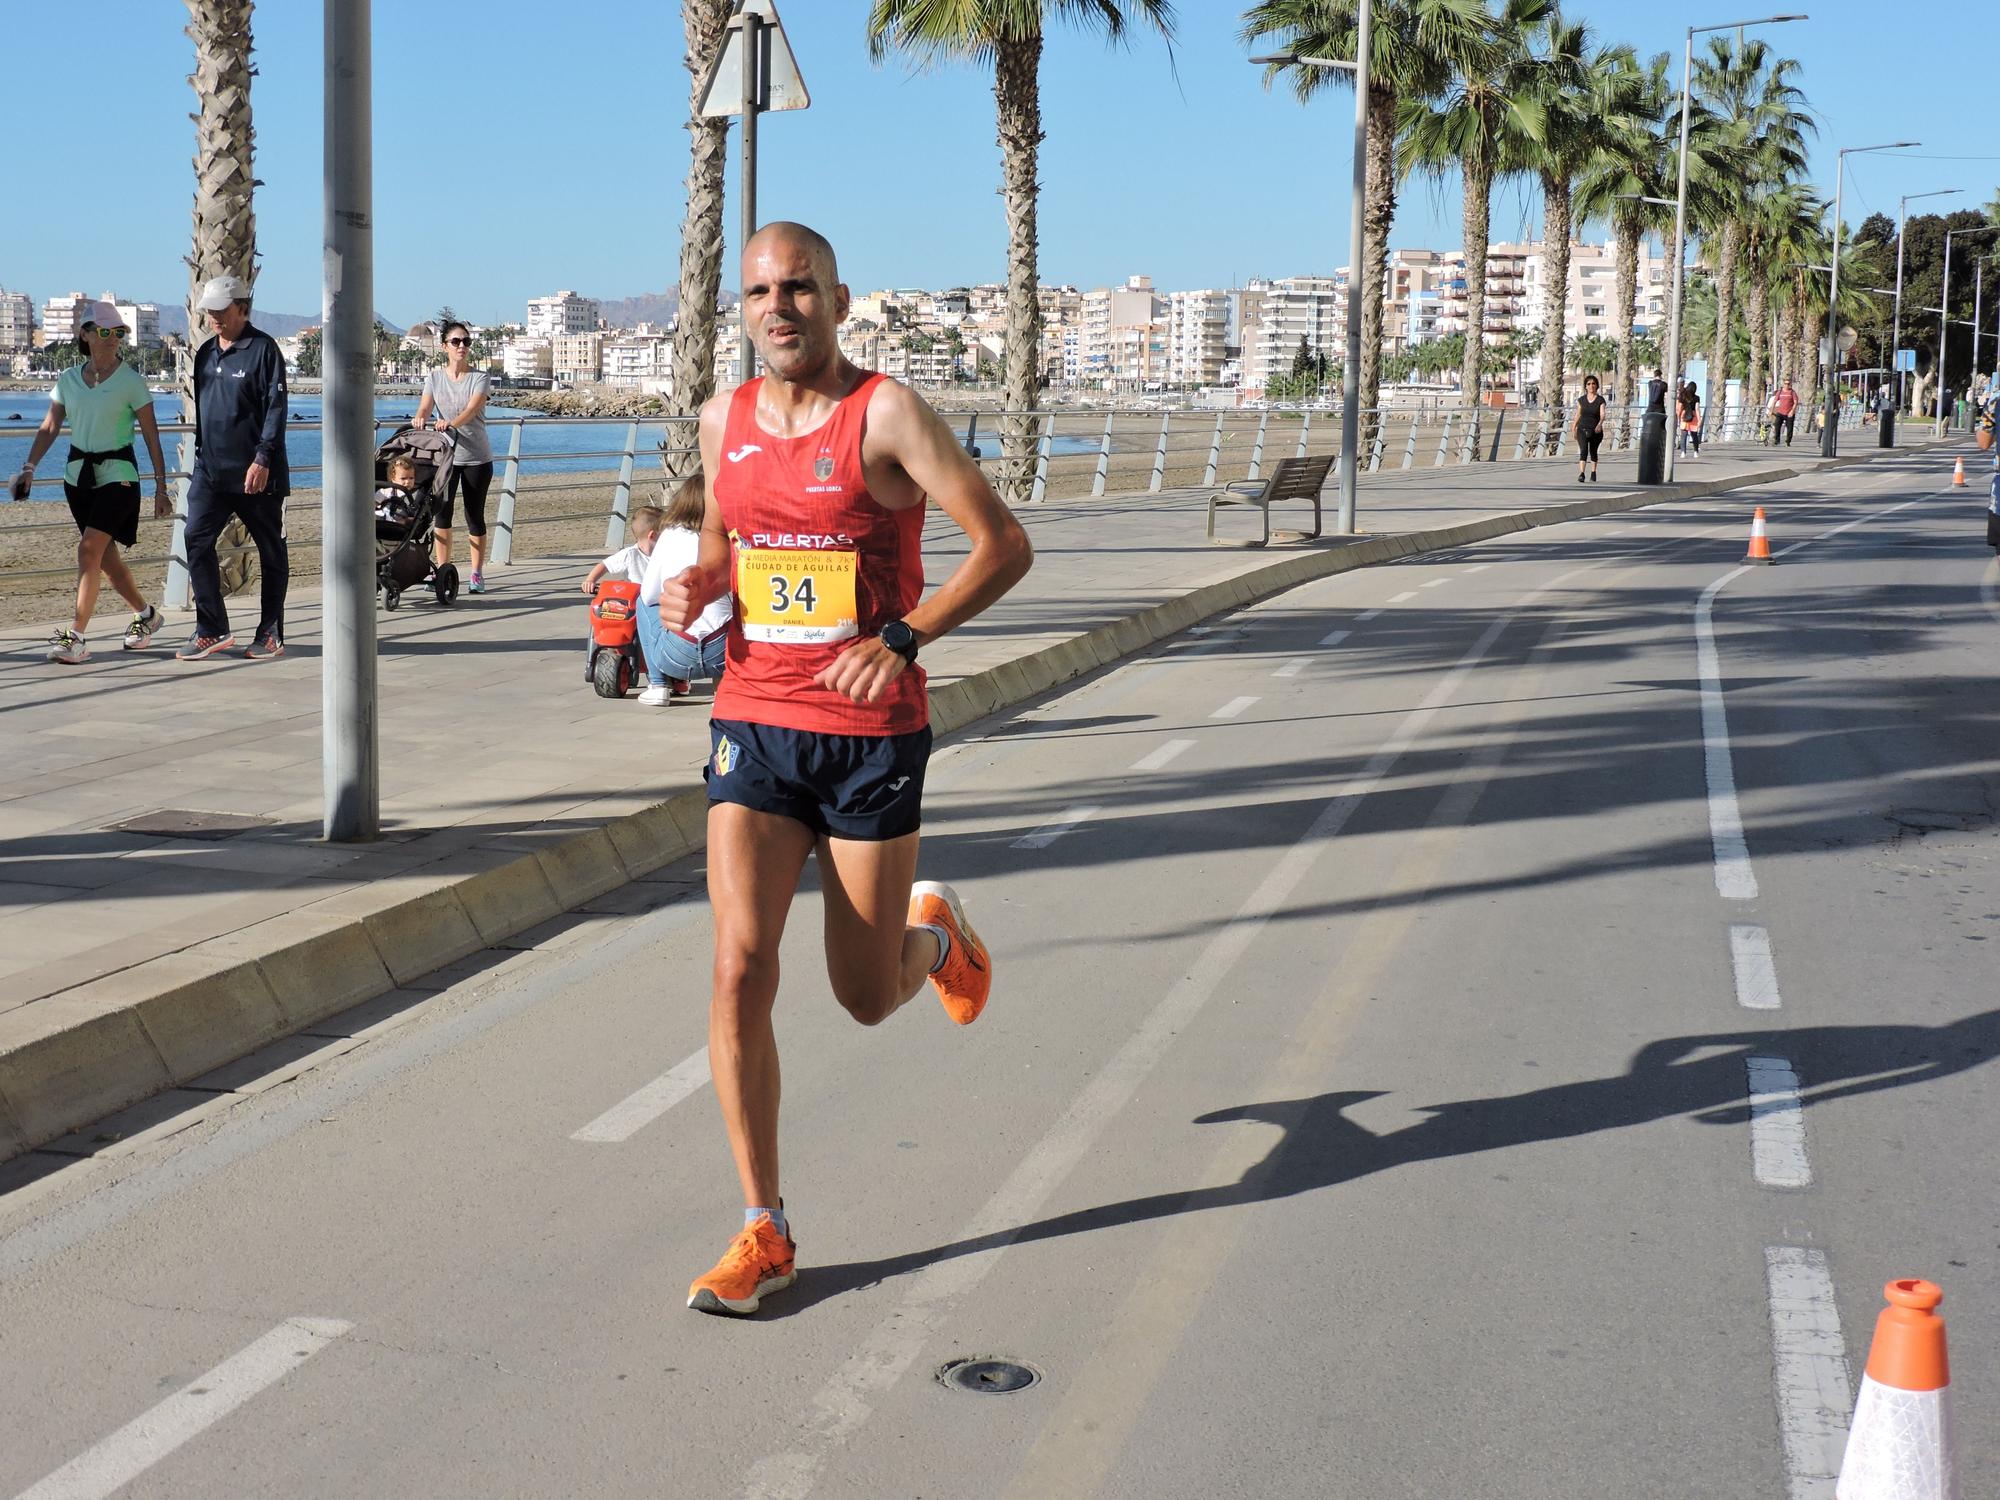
[404, 517]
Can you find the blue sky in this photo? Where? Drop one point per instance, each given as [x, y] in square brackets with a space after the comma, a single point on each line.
[521, 147]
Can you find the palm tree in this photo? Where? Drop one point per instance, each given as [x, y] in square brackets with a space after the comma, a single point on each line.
[1750, 89]
[225, 183]
[1776, 226]
[1007, 34]
[704, 23]
[1480, 129]
[1637, 163]
[1416, 48]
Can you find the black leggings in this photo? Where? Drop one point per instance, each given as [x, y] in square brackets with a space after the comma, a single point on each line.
[1587, 444]
[475, 478]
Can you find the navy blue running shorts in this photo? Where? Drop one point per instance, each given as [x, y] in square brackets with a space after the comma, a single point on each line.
[847, 786]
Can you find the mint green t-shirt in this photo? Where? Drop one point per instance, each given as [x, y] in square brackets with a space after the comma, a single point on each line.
[102, 418]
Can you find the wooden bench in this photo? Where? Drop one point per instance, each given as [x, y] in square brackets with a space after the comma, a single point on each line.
[1293, 479]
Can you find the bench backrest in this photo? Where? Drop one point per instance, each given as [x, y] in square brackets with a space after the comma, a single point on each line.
[1299, 478]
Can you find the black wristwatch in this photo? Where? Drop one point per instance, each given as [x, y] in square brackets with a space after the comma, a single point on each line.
[899, 638]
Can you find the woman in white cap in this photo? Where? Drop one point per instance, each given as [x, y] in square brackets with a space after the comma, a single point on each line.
[103, 399]
[457, 394]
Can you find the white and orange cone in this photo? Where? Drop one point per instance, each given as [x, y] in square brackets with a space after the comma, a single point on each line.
[1958, 473]
[1760, 540]
[1899, 1446]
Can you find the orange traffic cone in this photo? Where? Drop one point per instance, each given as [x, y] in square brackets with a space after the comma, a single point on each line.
[1958, 474]
[1760, 540]
[1899, 1446]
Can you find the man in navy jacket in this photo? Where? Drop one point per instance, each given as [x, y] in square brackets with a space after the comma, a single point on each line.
[239, 469]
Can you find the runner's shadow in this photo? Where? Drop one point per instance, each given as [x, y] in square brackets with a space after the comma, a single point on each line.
[1702, 1078]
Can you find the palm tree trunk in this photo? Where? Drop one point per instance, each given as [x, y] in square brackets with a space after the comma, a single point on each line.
[1555, 302]
[1757, 310]
[1018, 108]
[1627, 294]
[1805, 368]
[225, 219]
[1781, 356]
[1478, 219]
[704, 22]
[1727, 254]
[1378, 213]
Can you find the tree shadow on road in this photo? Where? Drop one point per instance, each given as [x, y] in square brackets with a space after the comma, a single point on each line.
[1700, 1077]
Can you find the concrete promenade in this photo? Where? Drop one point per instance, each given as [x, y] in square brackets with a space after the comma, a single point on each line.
[142, 947]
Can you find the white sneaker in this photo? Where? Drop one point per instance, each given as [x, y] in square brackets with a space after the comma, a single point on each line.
[655, 696]
[67, 647]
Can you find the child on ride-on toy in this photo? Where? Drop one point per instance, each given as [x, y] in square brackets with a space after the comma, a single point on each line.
[614, 661]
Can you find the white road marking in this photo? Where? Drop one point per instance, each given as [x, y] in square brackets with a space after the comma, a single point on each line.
[1399, 598]
[1232, 708]
[1777, 1125]
[1293, 667]
[1435, 582]
[1811, 1367]
[844, 1403]
[1734, 879]
[1479, 568]
[633, 1114]
[146, 1439]
[1366, 615]
[1157, 759]
[1756, 974]
[1335, 639]
[1048, 833]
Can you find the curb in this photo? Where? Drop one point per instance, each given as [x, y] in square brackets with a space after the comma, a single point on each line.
[80, 1055]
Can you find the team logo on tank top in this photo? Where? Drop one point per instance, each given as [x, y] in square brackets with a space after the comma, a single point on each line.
[823, 467]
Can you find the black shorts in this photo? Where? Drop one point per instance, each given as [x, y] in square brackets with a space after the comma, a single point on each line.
[474, 479]
[110, 508]
[847, 786]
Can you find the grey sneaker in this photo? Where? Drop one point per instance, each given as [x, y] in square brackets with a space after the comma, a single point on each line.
[139, 634]
[266, 648]
[67, 647]
[200, 646]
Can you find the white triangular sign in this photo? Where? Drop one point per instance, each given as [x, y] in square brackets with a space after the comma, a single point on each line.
[783, 87]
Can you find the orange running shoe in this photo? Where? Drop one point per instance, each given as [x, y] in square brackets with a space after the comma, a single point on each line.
[758, 1261]
[967, 975]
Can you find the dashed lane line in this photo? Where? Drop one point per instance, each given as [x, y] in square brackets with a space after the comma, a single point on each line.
[1436, 583]
[1232, 708]
[1777, 1125]
[1293, 667]
[1809, 1360]
[636, 1111]
[1366, 615]
[1336, 638]
[1048, 833]
[1756, 974]
[1156, 760]
[1399, 598]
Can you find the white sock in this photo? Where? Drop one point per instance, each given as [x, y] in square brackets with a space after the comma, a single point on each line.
[943, 936]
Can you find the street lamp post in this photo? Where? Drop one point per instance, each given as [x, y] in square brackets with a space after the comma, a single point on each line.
[1896, 343]
[1673, 369]
[1944, 313]
[1829, 442]
[1350, 385]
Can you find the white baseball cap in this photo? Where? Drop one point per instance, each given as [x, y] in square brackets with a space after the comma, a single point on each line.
[221, 291]
[103, 314]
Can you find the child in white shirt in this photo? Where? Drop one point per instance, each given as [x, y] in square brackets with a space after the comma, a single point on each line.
[674, 658]
[629, 563]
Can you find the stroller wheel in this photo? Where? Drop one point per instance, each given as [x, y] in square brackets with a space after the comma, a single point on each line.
[445, 583]
[610, 675]
[392, 598]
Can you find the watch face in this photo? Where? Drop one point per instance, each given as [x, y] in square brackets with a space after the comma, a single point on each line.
[898, 637]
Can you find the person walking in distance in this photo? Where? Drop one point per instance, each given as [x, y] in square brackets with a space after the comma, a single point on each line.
[1785, 413]
[239, 469]
[1690, 413]
[818, 475]
[102, 399]
[457, 393]
[1589, 428]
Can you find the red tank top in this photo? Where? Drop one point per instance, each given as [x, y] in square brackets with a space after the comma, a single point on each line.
[816, 564]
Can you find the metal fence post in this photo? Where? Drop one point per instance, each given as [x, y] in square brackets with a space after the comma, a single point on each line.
[1410, 448]
[1521, 442]
[1468, 445]
[510, 478]
[1499, 425]
[1041, 489]
[972, 434]
[1377, 444]
[179, 593]
[1214, 452]
[1104, 454]
[1257, 452]
[621, 497]
[1160, 456]
[1444, 441]
[1305, 433]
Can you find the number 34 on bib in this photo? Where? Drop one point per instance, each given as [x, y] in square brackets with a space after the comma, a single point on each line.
[796, 596]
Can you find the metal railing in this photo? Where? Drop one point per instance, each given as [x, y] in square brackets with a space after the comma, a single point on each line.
[1077, 452]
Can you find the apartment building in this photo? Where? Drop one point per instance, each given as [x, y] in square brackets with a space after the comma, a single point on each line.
[577, 358]
[1593, 291]
[526, 359]
[59, 318]
[1294, 309]
[1197, 337]
[1510, 304]
[1133, 305]
[565, 312]
[627, 362]
[17, 321]
[1413, 297]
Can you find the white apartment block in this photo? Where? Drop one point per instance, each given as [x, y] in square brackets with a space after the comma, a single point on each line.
[143, 318]
[628, 362]
[525, 358]
[565, 312]
[1132, 305]
[1312, 309]
[577, 358]
[59, 316]
[1197, 337]
[1413, 296]
[17, 320]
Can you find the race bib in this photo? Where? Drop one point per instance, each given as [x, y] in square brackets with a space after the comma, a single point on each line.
[796, 596]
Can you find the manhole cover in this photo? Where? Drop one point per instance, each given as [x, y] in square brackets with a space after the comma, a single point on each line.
[189, 823]
[989, 1377]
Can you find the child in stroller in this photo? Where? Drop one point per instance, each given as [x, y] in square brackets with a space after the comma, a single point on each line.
[411, 468]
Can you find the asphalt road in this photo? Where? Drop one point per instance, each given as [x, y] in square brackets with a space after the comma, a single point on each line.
[1363, 1110]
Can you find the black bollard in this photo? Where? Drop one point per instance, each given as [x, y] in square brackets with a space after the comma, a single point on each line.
[1653, 447]
[1885, 427]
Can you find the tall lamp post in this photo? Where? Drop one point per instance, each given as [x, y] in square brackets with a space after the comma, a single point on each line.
[1829, 442]
[1944, 312]
[1350, 384]
[1673, 369]
[1896, 342]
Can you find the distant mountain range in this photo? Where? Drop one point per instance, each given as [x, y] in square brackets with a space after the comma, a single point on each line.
[648, 307]
[173, 319]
